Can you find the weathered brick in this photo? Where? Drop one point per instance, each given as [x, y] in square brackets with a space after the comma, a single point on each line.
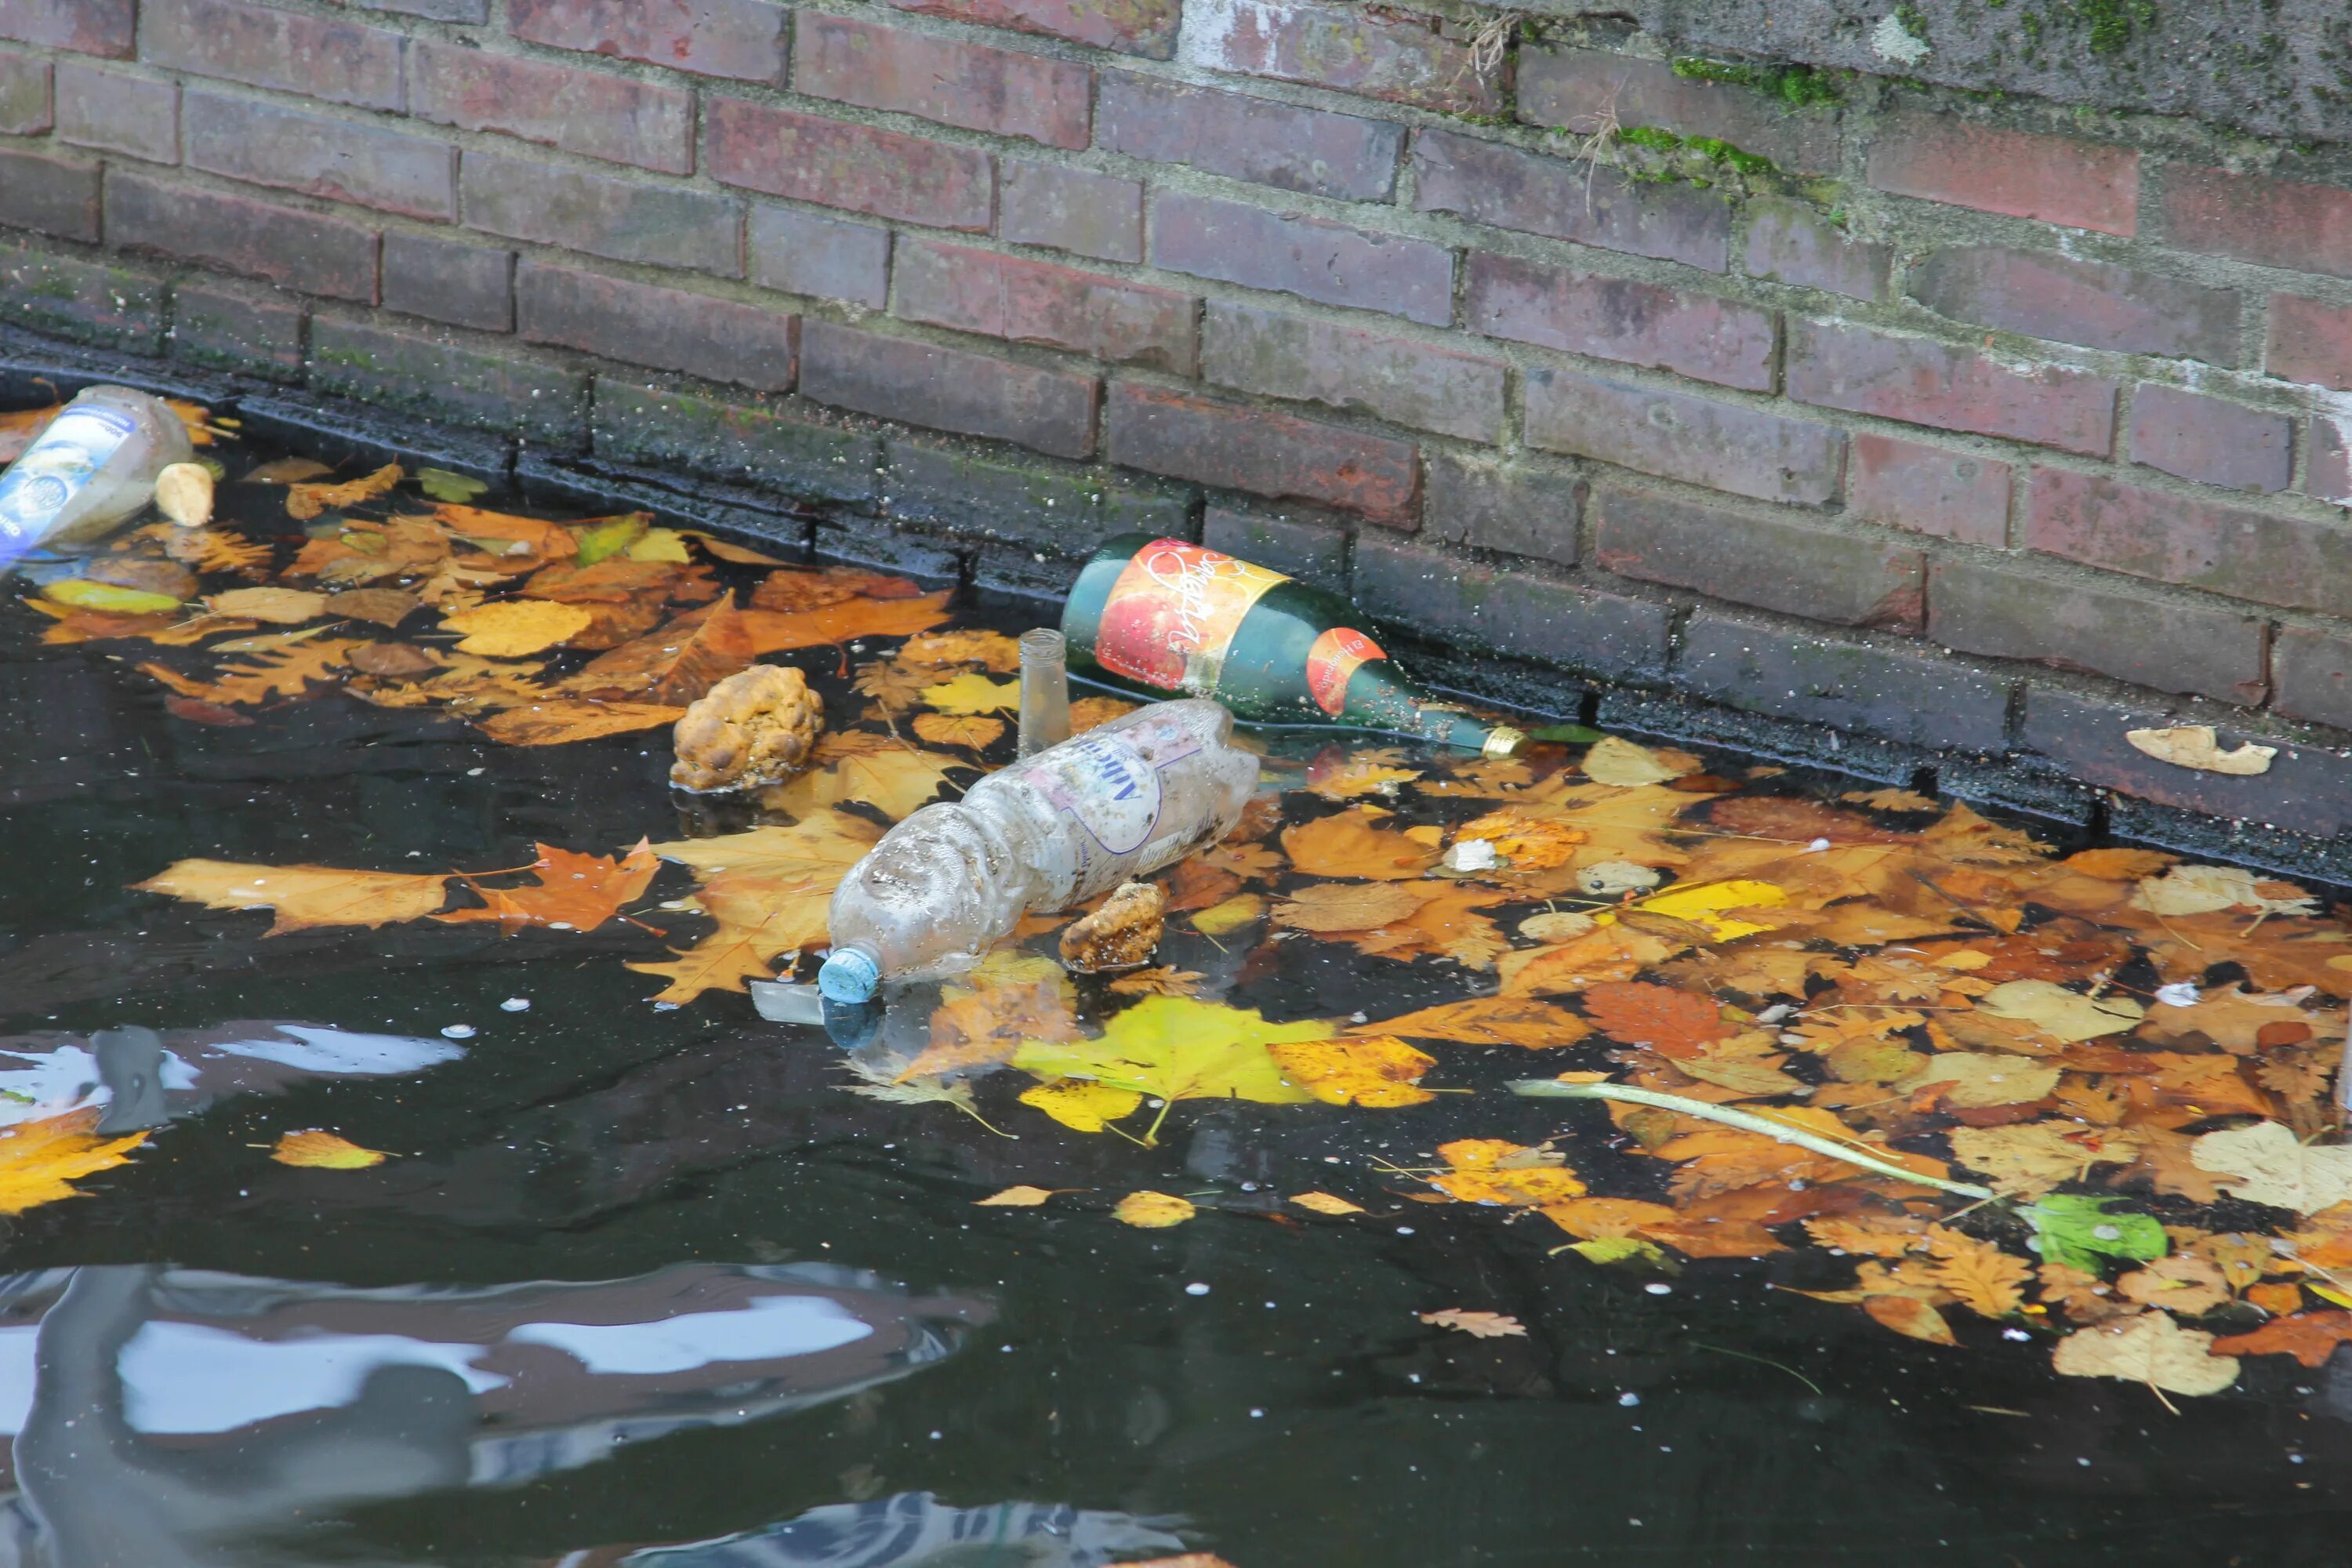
[303, 250]
[1583, 89]
[787, 445]
[1921, 382]
[948, 389]
[800, 253]
[1040, 505]
[2210, 439]
[668, 328]
[2310, 676]
[1270, 455]
[2241, 554]
[1406, 382]
[26, 108]
[1941, 158]
[2328, 474]
[1722, 445]
[1131, 27]
[946, 79]
[1037, 302]
[602, 215]
[1075, 210]
[68, 297]
[812, 159]
[594, 113]
[1771, 561]
[1303, 542]
[86, 26]
[339, 62]
[439, 376]
[1488, 183]
[739, 38]
[1698, 335]
[449, 280]
[2301, 227]
[114, 112]
[2045, 295]
[2308, 788]
[1327, 262]
[1929, 489]
[2310, 341]
[1921, 701]
[2019, 612]
[1246, 138]
[1789, 242]
[269, 145]
[1518, 508]
[1512, 612]
[236, 327]
[50, 195]
[1345, 47]
[468, 11]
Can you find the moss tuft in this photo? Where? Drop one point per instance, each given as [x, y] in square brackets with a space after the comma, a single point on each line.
[1798, 87]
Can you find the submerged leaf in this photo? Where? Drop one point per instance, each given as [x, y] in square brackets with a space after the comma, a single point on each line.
[2151, 1349]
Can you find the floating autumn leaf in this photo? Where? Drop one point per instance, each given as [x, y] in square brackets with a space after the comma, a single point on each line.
[971, 693]
[40, 1160]
[305, 502]
[1148, 1210]
[289, 672]
[1672, 1023]
[1477, 1325]
[1621, 762]
[2310, 1337]
[277, 606]
[1081, 1105]
[1377, 1071]
[303, 896]
[986, 1013]
[569, 891]
[2267, 1163]
[858, 766]
[1526, 842]
[513, 628]
[80, 593]
[2080, 1231]
[990, 650]
[675, 665]
[559, 722]
[2151, 1349]
[1354, 843]
[772, 631]
[2206, 889]
[1910, 1317]
[2032, 1157]
[321, 1151]
[1497, 1171]
[767, 889]
[2062, 1015]
[1973, 1080]
[727, 550]
[1087, 712]
[2194, 746]
[1489, 1021]
[1359, 773]
[2183, 1283]
[1326, 1204]
[1981, 1276]
[947, 729]
[1015, 1198]
[1228, 915]
[1174, 1049]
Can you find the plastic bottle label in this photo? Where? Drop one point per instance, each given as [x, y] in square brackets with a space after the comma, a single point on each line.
[1171, 615]
[53, 470]
[1337, 654]
[1105, 786]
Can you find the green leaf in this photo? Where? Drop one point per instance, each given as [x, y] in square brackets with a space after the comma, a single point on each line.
[443, 485]
[1172, 1048]
[2078, 1232]
[1618, 1249]
[1567, 734]
[607, 537]
[85, 594]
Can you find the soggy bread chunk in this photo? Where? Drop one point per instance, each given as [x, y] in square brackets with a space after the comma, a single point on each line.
[1120, 935]
[751, 729]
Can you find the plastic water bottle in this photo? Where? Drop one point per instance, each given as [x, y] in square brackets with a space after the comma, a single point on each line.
[91, 471]
[953, 879]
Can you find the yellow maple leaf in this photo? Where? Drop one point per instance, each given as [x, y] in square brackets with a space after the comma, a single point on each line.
[1379, 1071]
[40, 1160]
[514, 628]
[302, 896]
[888, 776]
[1172, 1048]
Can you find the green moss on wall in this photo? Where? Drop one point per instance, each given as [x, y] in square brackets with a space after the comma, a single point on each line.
[1799, 86]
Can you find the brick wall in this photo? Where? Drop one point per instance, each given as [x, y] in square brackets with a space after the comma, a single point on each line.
[1947, 419]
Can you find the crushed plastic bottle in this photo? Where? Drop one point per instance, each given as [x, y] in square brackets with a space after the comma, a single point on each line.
[93, 469]
[1052, 830]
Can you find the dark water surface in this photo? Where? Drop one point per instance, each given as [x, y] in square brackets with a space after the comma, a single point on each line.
[644, 1287]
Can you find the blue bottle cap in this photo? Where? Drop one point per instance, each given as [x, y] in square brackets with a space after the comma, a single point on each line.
[848, 975]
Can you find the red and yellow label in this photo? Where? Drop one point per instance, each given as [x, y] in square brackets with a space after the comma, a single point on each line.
[1337, 654]
[1172, 613]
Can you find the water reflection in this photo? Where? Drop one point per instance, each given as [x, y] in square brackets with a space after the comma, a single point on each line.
[914, 1529]
[160, 1418]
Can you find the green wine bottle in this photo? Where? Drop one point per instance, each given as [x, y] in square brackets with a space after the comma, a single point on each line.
[1176, 616]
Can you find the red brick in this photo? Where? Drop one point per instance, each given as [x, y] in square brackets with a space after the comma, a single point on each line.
[339, 62]
[2272, 223]
[1920, 382]
[2210, 440]
[1404, 383]
[25, 105]
[834, 165]
[594, 113]
[1075, 210]
[306, 251]
[266, 145]
[1037, 302]
[2101, 628]
[1581, 89]
[449, 280]
[603, 215]
[743, 39]
[2262, 556]
[1928, 490]
[111, 110]
[1131, 27]
[1328, 262]
[1347, 47]
[1789, 242]
[1490, 183]
[1769, 561]
[86, 26]
[1618, 318]
[2045, 295]
[2312, 672]
[948, 389]
[955, 83]
[1271, 454]
[1722, 445]
[1246, 138]
[1518, 508]
[796, 252]
[2310, 341]
[668, 328]
[50, 195]
[2080, 185]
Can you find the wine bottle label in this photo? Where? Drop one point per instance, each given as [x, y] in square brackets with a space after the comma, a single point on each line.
[1171, 618]
[64, 459]
[1337, 654]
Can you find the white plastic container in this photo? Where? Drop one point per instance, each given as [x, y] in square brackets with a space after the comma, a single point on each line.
[90, 472]
[1050, 831]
